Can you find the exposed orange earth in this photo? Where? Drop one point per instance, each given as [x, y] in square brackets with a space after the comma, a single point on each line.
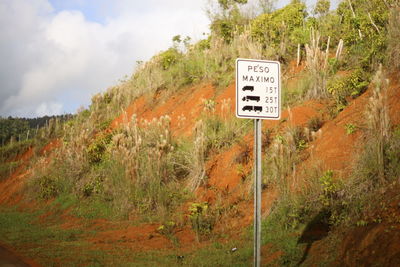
[332, 149]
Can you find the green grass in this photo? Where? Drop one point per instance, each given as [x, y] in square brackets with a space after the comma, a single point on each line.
[50, 245]
[7, 168]
[11, 150]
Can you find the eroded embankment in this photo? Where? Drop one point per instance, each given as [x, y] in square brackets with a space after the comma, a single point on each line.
[229, 172]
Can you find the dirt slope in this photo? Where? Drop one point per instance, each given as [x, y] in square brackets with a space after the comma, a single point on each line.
[228, 172]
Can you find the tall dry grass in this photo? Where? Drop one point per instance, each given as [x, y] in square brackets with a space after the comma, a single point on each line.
[394, 37]
[317, 66]
[378, 121]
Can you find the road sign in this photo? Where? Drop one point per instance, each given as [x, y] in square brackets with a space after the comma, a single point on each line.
[258, 96]
[258, 89]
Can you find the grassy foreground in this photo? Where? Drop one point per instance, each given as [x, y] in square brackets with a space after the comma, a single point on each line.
[51, 245]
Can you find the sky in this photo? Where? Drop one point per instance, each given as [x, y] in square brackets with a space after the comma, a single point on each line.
[56, 54]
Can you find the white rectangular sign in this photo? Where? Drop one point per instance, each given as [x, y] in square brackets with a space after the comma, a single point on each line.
[258, 89]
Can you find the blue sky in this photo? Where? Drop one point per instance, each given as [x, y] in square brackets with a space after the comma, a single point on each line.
[56, 54]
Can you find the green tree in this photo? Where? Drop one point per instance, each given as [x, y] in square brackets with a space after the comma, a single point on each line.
[322, 7]
[227, 4]
[12, 127]
[282, 29]
[267, 5]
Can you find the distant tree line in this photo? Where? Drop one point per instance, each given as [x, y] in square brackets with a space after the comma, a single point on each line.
[24, 128]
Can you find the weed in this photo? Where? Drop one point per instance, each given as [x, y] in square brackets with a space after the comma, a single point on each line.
[168, 229]
[314, 124]
[201, 219]
[350, 128]
[329, 188]
[48, 187]
[96, 150]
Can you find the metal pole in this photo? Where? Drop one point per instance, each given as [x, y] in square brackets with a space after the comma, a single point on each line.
[257, 192]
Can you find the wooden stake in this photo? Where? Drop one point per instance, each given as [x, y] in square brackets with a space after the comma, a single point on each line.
[298, 55]
[373, 24]
[354, 16]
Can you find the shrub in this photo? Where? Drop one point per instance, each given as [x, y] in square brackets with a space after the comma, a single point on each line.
[95, 150]
[201, 219]
[329, 188]
[363, 29]
[48, 187]
[280, 29]
[168, 58]
[353, 85]
[314, 124]
[94, 186]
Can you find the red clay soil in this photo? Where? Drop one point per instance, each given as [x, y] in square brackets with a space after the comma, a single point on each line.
[228, 170]
[223, 169]
[53, 144]
[268, 258]
[375, 244]
[137, 107]
[183, 107]
[24, 156]
[9, 258]
[394, 98]
[334, 149]
[11, 186]
[143, 238]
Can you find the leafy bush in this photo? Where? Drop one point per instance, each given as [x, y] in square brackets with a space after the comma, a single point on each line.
[201, 219]
[94, 186]
[95, 150]
[364, 31]
[48, 187]
[169, 58]
[281, 29]
[226, 26]
[351, 85]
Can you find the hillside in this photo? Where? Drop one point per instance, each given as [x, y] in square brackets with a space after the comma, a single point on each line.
[158, 170]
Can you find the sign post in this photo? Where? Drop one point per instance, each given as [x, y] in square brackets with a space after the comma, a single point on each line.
[258, 96]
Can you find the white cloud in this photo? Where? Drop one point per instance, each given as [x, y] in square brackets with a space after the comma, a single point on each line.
[48, 108]
[55, 61]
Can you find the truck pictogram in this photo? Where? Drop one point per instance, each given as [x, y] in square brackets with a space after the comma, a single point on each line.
[252, 108]
[252, 98]
[248, 108]
[248, 88]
